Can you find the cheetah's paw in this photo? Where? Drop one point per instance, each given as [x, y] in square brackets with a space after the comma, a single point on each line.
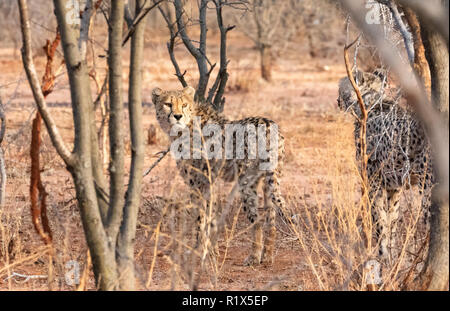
[252, 260]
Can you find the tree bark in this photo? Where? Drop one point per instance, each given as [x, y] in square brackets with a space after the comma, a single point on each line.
[266, 62]
[99, 244]
[126, 239]
[420, 61]
[437, 56]
[116, 145]
[435, 275]
[198, 53]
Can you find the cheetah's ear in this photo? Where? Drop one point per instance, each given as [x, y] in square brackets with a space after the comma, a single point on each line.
[189, 91]
[156, 93]
[381, 74]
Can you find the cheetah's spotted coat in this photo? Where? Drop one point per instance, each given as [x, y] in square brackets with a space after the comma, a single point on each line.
[178, 108]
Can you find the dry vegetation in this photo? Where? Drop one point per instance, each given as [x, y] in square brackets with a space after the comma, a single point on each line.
[325, 249]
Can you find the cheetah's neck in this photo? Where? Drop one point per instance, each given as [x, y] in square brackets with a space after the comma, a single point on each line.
[207, 115]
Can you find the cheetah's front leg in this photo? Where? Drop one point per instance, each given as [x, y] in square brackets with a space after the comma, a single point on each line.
[385, 215]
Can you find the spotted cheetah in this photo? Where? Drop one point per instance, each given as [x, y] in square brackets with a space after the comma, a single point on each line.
[177, 111]
[398, 149]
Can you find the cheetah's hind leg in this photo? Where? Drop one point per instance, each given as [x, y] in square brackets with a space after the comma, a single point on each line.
[273, 201]
[247, 187]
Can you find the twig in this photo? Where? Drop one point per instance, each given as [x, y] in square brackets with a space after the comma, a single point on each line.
[362, 133]
[2, 160]
[417, 260]
[171, 45]
[143, 12]
[26, 277]
[162, 155]
[406, 34]
[39, 253]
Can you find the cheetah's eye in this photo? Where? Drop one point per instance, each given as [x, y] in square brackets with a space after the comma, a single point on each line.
[185, 105]
[168, 104]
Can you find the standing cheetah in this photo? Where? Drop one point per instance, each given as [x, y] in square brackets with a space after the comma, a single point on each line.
[177, 111]
[399, 153]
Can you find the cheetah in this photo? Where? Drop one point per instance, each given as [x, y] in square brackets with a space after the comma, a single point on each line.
[177, 111]
[399, 153]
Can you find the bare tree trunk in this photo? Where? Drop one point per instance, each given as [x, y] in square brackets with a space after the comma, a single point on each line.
[215, 94]
[125, 243]
[79, 162]
[437, 56]
[116, 145]
[218, 89]
[109, 228]
[102, 251]
[435, 275]
[198, 53]
[420, 61]
[266, 62]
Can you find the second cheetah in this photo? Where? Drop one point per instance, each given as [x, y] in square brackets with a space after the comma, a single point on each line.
[399, 154]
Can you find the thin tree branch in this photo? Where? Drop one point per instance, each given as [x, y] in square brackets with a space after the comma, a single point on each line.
[406, 35]
[27, 58]
[139, 17]
[198, 53]
[125, 249]
[162, 155]
[362, 133]
[222, 76]
[116, 168]
[171, 45]
[2, 159]
[435, 15]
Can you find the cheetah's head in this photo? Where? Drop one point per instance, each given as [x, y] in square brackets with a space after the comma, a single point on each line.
[174, 108]
[368, 83]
